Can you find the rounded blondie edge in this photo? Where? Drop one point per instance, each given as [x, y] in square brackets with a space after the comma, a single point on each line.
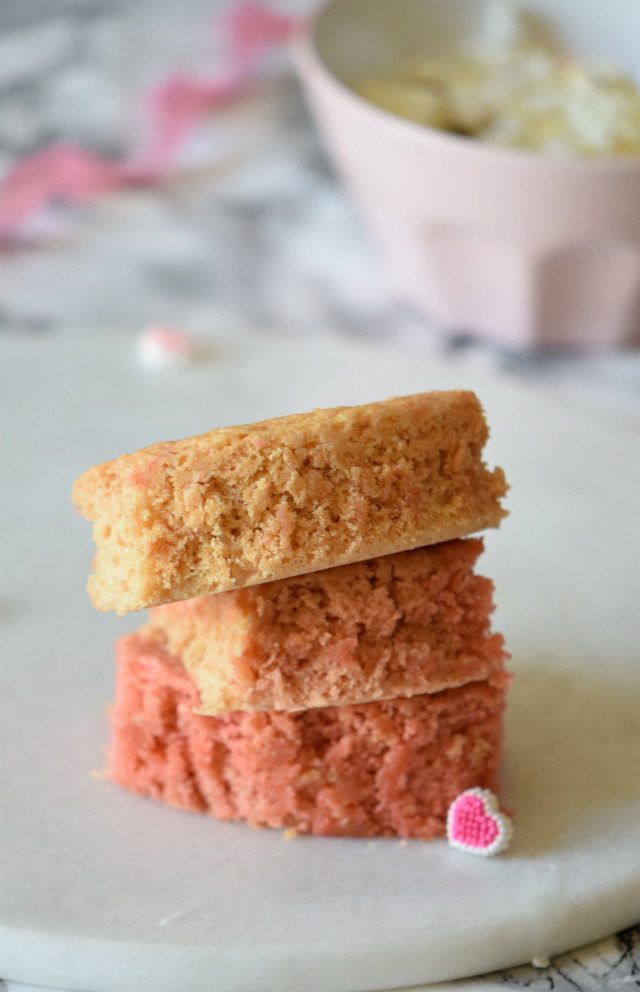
[103, 479]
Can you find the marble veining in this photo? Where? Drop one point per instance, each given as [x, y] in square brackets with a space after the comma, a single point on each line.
[611, 965]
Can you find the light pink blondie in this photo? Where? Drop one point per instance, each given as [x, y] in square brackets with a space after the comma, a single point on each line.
[404, 624]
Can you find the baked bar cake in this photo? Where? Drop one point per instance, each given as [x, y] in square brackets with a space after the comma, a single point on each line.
[383, 768]
[243, 505]
[414, 622]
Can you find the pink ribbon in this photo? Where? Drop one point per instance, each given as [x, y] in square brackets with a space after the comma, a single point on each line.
[173, 108]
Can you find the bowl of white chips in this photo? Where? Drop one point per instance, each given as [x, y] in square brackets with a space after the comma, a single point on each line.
[493, 149]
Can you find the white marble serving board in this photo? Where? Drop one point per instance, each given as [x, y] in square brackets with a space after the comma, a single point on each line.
[106, 892]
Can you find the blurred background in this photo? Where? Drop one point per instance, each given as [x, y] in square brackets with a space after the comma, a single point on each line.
[250, 228]
[246, 227]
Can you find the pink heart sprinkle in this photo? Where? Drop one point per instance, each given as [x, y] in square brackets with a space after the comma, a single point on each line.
[162, 347]
[476, 825]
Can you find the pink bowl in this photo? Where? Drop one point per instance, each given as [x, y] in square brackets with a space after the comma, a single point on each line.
[527, 250]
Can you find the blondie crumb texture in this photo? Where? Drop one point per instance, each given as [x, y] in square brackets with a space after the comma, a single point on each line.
[244, 505]
[386, 768]
[405, 624]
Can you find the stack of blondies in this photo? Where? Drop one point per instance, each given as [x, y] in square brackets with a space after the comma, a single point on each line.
[319, 654]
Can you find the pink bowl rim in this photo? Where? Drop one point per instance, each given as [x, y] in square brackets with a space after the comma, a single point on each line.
[309, 64]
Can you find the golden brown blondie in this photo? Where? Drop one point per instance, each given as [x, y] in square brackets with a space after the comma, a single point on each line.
[243, 505]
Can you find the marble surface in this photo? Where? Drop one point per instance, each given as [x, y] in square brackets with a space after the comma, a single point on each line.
[612, 965]
[84, 901]
[254, 236]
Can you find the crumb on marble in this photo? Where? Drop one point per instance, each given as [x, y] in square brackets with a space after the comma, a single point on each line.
[540, 962]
